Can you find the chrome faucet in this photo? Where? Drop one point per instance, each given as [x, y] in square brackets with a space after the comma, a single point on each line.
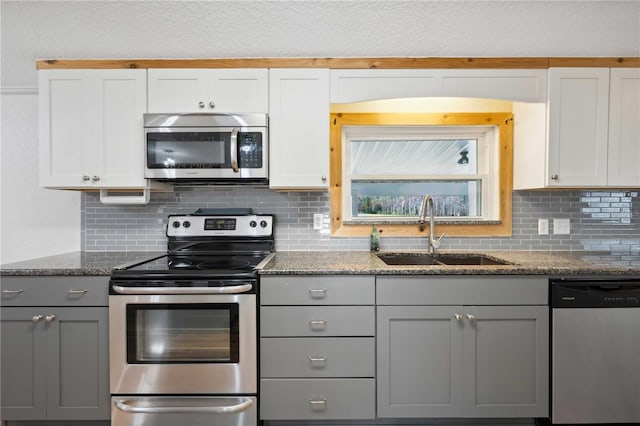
[433, 242]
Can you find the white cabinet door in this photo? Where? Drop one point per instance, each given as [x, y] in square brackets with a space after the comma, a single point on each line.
[91, 132]
[624, 127]
[299, 128]
[208, 90]
[578, 112]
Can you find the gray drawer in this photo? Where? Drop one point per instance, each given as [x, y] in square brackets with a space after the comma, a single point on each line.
[317, 399]
[55, 291]
[463, 290]
[317, 290]
[302, 321]
[317, 357]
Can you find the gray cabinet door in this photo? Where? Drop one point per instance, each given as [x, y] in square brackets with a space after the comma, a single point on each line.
[506, 361]
[56, 369]
[23, 365]
[78, 364]
[419, 362]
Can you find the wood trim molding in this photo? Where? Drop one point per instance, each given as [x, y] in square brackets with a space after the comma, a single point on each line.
[504, 122]
[344, 63]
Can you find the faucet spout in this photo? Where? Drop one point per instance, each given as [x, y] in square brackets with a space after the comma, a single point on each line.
[434, 243]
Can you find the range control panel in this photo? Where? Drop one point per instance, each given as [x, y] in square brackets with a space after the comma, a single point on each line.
[238, 226]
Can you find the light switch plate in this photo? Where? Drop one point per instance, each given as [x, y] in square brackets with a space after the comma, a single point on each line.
[561, 226]
[543, 226]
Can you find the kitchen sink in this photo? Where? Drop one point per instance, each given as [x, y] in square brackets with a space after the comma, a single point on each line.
[473, 259]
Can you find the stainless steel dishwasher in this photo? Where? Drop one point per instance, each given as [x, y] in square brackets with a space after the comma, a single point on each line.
[595, 350]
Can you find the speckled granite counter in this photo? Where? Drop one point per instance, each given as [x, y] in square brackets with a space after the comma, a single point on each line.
[522, 263]
[353, 262]
[76, 263]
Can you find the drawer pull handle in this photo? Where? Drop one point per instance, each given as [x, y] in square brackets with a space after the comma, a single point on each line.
[318, 403]
[318, 361]
[18, 291]
[317, 293]
[317, 324]
[72, 291]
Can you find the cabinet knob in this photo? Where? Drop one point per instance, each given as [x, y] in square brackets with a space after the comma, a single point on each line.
[86, 178]
[95, 178]
[37, 318]
[471, 317]
[201, 104]
[458, 317]
[554, 177]
[212, 104]
[49, 318]
[324, 178]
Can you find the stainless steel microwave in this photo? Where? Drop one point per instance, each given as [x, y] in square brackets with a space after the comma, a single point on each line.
[207, 147]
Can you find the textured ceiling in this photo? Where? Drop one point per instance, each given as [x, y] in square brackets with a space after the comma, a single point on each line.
[34, 30]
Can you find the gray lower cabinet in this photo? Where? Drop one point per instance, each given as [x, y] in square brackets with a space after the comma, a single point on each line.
[443, 360]
[54, 358]
[317, 348]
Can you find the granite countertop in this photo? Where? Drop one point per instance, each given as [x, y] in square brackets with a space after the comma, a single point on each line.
[354, 262]
[77, 263]
[522, 263]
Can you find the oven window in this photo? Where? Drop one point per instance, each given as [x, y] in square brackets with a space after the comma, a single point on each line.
[182, 333]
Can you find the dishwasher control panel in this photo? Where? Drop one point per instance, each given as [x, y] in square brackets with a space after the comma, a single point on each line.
[595, 293]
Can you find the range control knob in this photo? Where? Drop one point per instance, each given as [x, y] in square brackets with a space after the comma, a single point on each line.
[186, 224]
[253, 224]
[263, 223]
[175, 224]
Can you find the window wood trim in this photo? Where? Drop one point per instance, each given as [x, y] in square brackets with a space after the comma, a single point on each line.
[504, 123]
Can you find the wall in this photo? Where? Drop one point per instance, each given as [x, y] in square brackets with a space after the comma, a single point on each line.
[33, 30]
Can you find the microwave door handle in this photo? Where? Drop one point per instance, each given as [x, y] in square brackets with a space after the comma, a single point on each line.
[234, 150]
[125, 405]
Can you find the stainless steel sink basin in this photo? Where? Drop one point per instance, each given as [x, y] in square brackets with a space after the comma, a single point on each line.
[473, 259]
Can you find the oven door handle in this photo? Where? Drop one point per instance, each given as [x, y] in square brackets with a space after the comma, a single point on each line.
[232, 289]
[124, 405]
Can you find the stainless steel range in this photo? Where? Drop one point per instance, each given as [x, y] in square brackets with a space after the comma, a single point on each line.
[183, 332]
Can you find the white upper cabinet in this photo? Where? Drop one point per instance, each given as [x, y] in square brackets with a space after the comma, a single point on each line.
[526, 85]
[578, 113]
[592, 135]
[299, 128]
[624, 127]
[91, 133]
[208, 90]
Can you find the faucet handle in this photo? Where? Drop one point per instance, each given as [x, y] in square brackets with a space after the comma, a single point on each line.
[436, 243]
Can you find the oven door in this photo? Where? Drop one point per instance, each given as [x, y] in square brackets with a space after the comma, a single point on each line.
[183, 344]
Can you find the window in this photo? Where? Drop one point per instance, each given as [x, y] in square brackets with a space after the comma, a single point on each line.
[383, 164]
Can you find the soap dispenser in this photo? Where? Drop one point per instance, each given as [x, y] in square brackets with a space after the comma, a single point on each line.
[374, 245]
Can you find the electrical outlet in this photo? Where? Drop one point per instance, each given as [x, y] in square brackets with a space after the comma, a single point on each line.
[543, 226]
[561, 226]
[318, 221]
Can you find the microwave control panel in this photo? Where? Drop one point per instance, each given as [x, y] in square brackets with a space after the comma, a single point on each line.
[250, 150]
